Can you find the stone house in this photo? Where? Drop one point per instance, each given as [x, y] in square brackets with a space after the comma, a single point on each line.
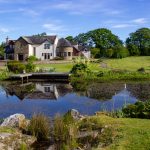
[47, 48]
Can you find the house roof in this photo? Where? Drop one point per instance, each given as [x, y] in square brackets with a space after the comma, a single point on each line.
[39, 39]
[64, 43]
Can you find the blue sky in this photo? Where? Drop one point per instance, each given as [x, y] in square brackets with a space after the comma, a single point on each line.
[71, 17]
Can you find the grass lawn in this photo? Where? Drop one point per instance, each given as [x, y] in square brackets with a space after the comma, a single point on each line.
[132, 134]
[63, 67]
[129, 63]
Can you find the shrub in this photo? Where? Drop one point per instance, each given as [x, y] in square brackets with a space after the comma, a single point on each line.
[141, 69]
[32, 59]
[138, 110]
[58, 58]
[65, 131]
[39, 127]
[15, 66]
[79, 67]
[30, 67]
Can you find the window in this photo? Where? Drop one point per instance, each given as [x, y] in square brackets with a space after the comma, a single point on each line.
[47, 89]
[69, 53]
[65, 54]
[46, 46]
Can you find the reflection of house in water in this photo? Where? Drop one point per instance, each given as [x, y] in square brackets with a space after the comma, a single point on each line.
[44, 91]
[39, 91]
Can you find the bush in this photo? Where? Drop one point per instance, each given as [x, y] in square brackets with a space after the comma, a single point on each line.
[120, 52]
[58, 58]
[39, 127]
[79, 67]
[138, 110]
[30, 67]
[141, 70]
[15, 66]
[32, 59]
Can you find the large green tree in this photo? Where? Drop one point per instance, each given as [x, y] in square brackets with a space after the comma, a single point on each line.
[104, 39]
[138, 43]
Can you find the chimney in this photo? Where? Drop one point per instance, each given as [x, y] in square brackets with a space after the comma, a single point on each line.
[7, 40]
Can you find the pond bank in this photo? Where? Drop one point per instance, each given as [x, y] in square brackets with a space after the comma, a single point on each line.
[135, 132]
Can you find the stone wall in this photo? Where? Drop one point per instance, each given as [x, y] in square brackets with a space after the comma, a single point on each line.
[66, 52]
[21, 48]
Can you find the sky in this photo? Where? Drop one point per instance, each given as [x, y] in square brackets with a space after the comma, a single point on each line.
[71, 17]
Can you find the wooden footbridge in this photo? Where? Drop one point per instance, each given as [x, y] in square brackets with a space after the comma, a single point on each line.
[42, 76]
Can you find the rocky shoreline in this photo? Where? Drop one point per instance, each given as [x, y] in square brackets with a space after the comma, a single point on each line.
[12, 137]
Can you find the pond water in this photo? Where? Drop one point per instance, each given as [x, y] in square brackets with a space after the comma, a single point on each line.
[53, 98]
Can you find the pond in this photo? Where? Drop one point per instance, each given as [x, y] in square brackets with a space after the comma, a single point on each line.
[53, 98]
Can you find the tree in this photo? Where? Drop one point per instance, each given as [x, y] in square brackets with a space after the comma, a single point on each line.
[138, 43]
[70, 38]
[41, 34]
[2, 50]
[104, 38]
[84, 39]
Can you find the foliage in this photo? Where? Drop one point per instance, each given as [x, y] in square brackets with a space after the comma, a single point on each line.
[70, 38]
[79, 67]
[41, 34]
[120, 52]
[39, 127]
[30, 67]
[15, 66]
[141, 69]
[95, 52]
[2, 50]
[84, 39]
[138, 42]
[103, 135]
[138, 110]
[58, 58]
[104, 39]
[31, 59]
[23, 146]
[4, 74]
[65, 132]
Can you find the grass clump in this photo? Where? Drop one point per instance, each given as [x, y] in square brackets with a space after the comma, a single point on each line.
[39, 127]
[65, 132]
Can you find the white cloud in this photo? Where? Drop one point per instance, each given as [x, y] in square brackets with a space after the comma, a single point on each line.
[4, 30]
[53, 27]
[81, 7]
[140, 21]
[122, 26]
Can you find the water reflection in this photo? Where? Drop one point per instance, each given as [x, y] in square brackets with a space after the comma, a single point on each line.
[52, 98]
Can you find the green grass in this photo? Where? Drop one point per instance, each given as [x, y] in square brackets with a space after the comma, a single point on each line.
[63, 67]
[131, 134]
[129, 63]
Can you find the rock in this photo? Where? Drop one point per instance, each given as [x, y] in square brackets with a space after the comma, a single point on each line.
[75, 114]
[4, 135]
[15, 120]
[13, 141]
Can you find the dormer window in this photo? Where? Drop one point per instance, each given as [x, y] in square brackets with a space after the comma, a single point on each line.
[46, 46]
